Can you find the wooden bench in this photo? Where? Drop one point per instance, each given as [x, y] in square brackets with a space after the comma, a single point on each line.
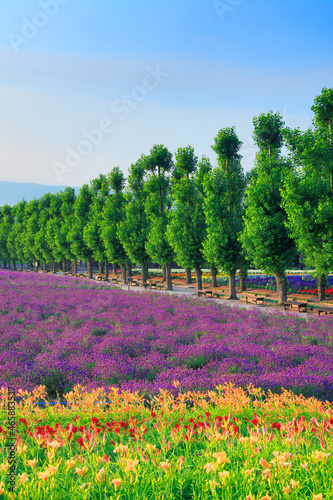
[325, 310]
[99, 277]
[146, 285]
[154, 285]
[201, 292]
[253, 299]
[292, 304]
[220, 295]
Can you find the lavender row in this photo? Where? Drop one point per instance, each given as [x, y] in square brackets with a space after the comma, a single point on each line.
[59, 331]
[295, 282]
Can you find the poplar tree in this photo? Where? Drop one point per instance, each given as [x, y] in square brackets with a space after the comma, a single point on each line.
[159, 165]
[6, 222]
[62, 237]
[308, 189]
[265, 238]
[224, 189]
[52, 227]
[133, 230]
[81, 211]
[186, 228]
[17, 230]
[92, 233]
[113, 214]
[31, 226]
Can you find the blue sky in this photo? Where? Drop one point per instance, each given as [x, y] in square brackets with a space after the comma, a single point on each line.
[87, 85]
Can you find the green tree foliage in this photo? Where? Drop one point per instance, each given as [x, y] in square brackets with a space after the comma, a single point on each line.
[92, 233]
[31, 224]
[62, 227]
[6, 222]
[133, 230]
[158, 164]
[81, 212]
[16, 230]
[265, 237]
[48, 207]
[52, 229]
[224, 189]
[307, 191]
[323, 120]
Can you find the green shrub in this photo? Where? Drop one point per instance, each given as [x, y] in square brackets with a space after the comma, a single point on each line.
[99, 332]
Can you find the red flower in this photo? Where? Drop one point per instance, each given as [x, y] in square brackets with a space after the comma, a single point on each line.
[81, 443]
[276, 425]
[254, 421]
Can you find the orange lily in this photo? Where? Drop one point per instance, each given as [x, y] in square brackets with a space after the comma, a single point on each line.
[294, 483]
[223, 475]
[23, 478]
[210, 466]
[221, 458]
[131, 464]
[81, 471]
[116, 482]
[32, 463]
[265, 464]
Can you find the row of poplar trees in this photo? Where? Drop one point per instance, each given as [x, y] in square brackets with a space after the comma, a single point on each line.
[189, 212]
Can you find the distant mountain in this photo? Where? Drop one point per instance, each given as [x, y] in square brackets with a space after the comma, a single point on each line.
[13, 192]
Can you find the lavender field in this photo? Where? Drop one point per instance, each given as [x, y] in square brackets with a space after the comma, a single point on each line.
[57, 331]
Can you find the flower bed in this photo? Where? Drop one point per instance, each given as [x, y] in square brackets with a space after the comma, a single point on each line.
[242, 444]
[59, 332]
[97, 345]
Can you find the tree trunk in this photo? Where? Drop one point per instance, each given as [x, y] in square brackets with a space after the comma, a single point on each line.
[198, 275]
[124, 272]
[232, 285]
[188, 276]
[75, 266]
[5, 264]
[164, 273]
[115, 267]
[144, 271]
[21, 264]
[99, 267]
[89, 269]
[281, 284]
[322, 283]
[106, 270]
[213, 272]
[14, 264]
[129, 268]
[242, 278]
[168, 276]
[44, 264]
